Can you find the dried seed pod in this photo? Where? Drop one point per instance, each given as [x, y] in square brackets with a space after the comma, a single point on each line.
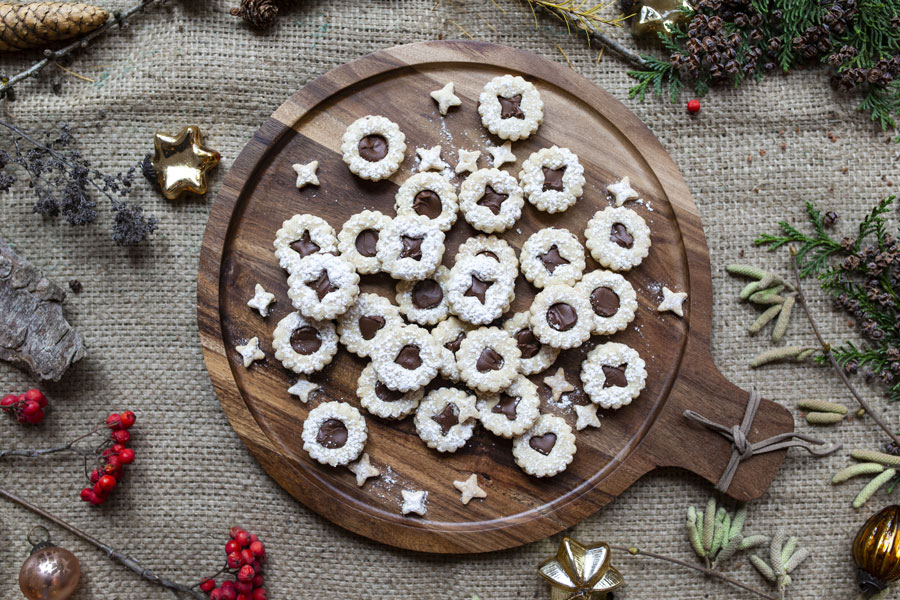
[763, 319]
[822, 406]
[39, 24]
[868, 468]
[823, 418]
[782, 323]
[873, 486]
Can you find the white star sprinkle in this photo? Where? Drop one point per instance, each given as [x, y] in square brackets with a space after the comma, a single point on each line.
[672, 301]
[469, 489]
[502, 154]
[587, 416]
[250, 351]
[466, 409]
[414, 502]
[261, 301]
[430, 159]
[302, 389]
[306, 173]
[445, 98]
[468, 161]
[363, 469]
[558, 384]
[622, 191]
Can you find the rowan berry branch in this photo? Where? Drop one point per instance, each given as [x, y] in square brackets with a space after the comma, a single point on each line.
[117, 556]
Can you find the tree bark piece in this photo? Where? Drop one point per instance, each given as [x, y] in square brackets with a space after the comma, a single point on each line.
[34, 334]
[39, 24]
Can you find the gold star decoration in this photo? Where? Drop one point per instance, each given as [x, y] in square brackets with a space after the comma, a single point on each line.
[182, 161]
[580, 572]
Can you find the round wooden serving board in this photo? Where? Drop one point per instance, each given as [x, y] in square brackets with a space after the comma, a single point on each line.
[259, 193]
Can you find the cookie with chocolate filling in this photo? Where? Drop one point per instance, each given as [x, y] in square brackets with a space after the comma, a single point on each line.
[410, 247]
[512, 411]
[334, 433]
[300, 236]
[373, 147]
[363, 320]
[552, 256]
[561, 317]
[425, 301]
[612, 299]
[510, 107]
[552, 179]
[547, 448]
[446, 419]
[536, 356]
[406, 357]
[491, 200]
[450, 333]
[323, 286]
[302, 345]
[613, 375]
[488, 359]
[358, 239]
[382, 401]
[618, 238]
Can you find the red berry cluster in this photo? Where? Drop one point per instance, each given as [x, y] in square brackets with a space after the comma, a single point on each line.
[27, 408]
[245, 556]
[112, 459]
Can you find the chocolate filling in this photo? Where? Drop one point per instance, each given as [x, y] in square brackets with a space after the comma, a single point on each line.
[478, 288]
[322, 285]
[604, 301]
[332, 434]
[492, 199]
[553, 178]
[447, 418]
[386, 394]
[619, 234]
[543, 443]
[561, 316]
[552, 259]
[427, 294]
[490, 254]
[427, 203]
[369, 326]
[615, 376]
[528, 344]
[373, 147]
[412, 247]
[453, 345]
[409, 357]
[506, 406]
[305, 246]
[367, 242]
[489, 360]
[510, 108]
[305, 340]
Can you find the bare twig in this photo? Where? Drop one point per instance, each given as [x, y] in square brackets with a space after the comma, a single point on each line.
[826, 349]
[51, 56]
[112, 553]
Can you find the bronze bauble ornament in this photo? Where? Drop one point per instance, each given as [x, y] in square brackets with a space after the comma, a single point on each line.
[653, 17]
[876, 551]
[580, 572]
[181, 162]
[51, 572]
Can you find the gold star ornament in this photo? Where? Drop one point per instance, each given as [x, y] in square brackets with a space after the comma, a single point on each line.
[580, 572]
[182, 161]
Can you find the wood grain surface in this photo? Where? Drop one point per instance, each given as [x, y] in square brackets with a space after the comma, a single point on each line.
[259, 193]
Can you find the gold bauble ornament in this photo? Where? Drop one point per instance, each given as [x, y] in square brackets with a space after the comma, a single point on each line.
[657, 16]
[580, 572]
[51, 572]
[876, 551]
[181, 162]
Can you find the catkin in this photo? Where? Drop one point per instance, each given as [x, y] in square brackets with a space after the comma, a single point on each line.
[873, 456]
[822, 406]
[868, 468]
[782, 323]
[763, 319]
[824, 418]
[746, 271]
[873, 486]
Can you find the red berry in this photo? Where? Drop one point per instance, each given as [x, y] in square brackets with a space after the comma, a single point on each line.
[693, 106]
[243, 587]
[259, 594]
[35, 417]
[228, 593]
[216, 594]
[126, 456]
[258, 549]
[258, 580]
[127, 418]
[121, 436]
[107, 483]
[232, 546]
[246, 557]
[243, 538]
[114, 421]
[36, 396]
[207, 585]
[234, 560]
[246, 573]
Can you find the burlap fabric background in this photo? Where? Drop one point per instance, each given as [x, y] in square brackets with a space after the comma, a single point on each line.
[190, 62]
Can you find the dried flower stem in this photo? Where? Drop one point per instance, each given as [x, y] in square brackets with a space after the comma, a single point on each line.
[826, 349]
[110, 552]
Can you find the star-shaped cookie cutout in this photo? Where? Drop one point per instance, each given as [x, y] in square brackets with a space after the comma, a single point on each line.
[261, 300]
[468, 161]
[445, 98]
[672, 301]
[414, 502]
[181, 162]
[558, 384]
[302, 389]
[306, 174]
[466, 409]
[502, 154]
[469, 489]
[623, 191]
[587, 416]
[363, 469]
[250, 351]
[430, 159]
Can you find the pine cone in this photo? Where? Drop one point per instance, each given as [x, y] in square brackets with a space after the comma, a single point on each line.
[38, 24]
[258, 13]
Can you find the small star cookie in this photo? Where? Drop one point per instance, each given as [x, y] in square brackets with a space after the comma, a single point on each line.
[302, 389]
[250, 352]
[306, 174]
[469, 489]
[558, 384]
[445, 98]
[587, 416]
[502, 154]
[261, 301]
[414, 502]
[430, 159]
[672, 301]
[623, 191]
[363, 469]
[468, 161]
